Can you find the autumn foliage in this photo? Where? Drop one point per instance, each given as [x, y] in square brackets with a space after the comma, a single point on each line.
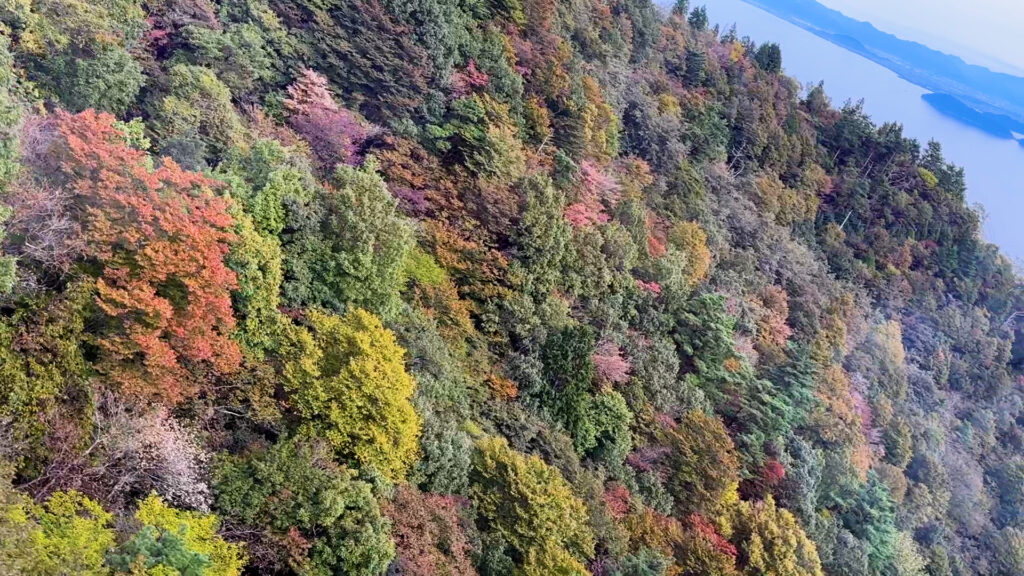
[155, 238]
[429, 532]
[499, 288]
[334, 134]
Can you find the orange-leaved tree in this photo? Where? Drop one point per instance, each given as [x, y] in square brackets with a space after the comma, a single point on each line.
[155, 239]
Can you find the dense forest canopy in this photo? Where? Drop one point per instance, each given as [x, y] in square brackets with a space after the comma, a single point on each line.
[483, 287]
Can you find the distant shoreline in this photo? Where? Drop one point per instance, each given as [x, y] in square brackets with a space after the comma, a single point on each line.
[996, 125]
[992, 102]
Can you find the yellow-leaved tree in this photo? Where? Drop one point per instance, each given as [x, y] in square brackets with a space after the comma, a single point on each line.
[532, 508]
[68, 534]
[347, 382]
[195, 534]
[771, 542]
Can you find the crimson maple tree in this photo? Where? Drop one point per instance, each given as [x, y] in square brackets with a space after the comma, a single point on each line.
[155, 239]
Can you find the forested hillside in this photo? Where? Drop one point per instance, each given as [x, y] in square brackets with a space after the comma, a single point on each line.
[482, 287]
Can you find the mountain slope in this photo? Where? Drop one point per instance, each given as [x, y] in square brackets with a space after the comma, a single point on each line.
[505, 287]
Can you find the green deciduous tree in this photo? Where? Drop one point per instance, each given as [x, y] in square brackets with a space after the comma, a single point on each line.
[1009, 551]
[543, 235]
[263, 179]
[612, 419]
[41, 359]
[479, 133]
[78, 51]
[319, 518]
[15, 526]
[10, 115]
[256, 260]
[907, 559]
[348, 247]
[195, 122]
[645, 562]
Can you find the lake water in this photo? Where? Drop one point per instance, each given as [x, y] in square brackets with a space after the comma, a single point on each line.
[994, 168]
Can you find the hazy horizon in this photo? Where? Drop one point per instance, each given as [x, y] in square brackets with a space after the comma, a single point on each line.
[987, 33]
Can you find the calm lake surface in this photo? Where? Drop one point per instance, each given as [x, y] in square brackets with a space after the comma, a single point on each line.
[994, 168]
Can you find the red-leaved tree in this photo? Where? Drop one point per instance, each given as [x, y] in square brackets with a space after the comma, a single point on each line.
[430, 533]
[596, 189]
[155, 238]
[702, 528]
[465, 81]
[617, 498]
